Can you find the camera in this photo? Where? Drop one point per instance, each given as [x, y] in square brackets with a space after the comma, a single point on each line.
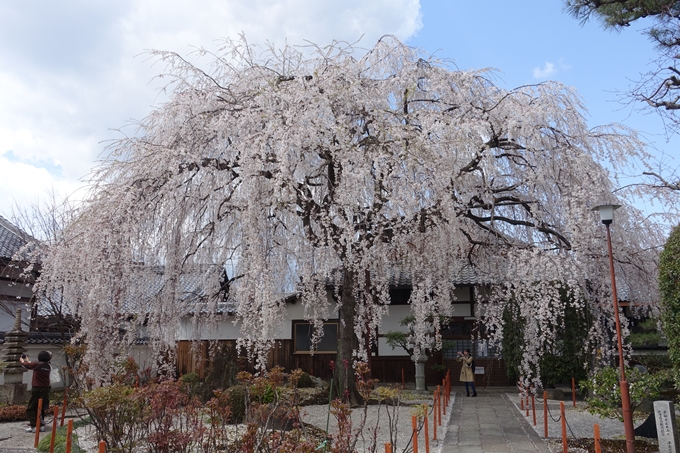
[24, 356]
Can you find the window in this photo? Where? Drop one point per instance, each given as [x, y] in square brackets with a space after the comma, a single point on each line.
[302, 335]
[478, 348]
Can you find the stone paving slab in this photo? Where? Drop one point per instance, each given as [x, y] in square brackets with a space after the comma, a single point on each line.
[489, 423]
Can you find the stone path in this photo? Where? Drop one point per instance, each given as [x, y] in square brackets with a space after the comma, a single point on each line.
[489, 423]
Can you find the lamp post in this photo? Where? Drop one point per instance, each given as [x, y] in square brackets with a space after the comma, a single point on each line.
[607, 215]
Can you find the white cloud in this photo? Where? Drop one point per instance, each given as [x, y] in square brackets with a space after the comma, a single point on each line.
[72, 76]
[548, 70]
[23, 184]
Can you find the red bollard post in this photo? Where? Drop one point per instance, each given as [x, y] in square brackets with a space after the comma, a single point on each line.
[439, 405]
[521, 397]
[69, 432]
[427, 434]
[443, 389]
[434, 419]
[526, 401]
[573, 391]
[37, 424]
[388, 447]
[55, 417]
[63, 409]
[598, 448]
[526, 406]
[565, 447]
[545, 413]
[414, 424]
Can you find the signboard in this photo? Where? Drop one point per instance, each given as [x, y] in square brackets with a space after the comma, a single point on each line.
[666, 427]
[479, 370]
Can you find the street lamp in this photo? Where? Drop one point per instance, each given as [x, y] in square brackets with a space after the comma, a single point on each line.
[607, 215]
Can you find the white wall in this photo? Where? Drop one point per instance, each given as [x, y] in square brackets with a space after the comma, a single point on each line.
[226, 329]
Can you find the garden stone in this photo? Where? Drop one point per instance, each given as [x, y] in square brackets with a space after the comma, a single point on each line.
[555, 394]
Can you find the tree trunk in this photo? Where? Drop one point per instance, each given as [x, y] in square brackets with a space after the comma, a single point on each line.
[347, 341]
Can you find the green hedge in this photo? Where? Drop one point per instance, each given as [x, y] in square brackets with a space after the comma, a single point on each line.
[669, 285]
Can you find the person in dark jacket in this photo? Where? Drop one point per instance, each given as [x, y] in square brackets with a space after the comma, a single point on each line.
[41, 387]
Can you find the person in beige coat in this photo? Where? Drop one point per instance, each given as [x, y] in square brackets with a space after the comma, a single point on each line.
[467, 374]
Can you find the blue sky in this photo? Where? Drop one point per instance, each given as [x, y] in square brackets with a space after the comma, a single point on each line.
[73, 72]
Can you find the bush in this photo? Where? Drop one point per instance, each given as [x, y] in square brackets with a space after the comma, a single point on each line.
[222, 374]
[305, 381]
[190, 383]
[12, 413]
[669, 286]
[604, 394]
[171, 417]
[116, 414]
[237, 402]
[60, 442]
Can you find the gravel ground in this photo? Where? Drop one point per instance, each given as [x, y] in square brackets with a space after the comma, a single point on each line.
[377, 422]
[14, 439]
[580, 423]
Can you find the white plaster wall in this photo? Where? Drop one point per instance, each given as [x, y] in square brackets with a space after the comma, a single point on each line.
[226, 329]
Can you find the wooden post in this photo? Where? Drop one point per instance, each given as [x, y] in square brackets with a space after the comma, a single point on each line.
[63, 409]
[545, 413]
[37, 424]
[434, 418]
[443, 389]
[439, 405]
[521, 398]
[565, 448]
[598, 448]
[55, 417]
[526, 402]
[533, 407]
[414, 423]
[69, 431]
[427, 434]
[526, 406]
[388, 447]
[573, 391]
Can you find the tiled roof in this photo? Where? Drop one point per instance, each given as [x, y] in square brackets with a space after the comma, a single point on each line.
[399, 277]
[147, 287]
[11, 238]
[51, 338]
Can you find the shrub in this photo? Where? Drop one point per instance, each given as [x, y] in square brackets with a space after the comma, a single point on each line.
[190, 383]
[236, 397]
[669, 286]
[60, 442]
[171, 418]
[12, 413]
[116, 415]
[605, 395]
[305, 381]
[222, 373]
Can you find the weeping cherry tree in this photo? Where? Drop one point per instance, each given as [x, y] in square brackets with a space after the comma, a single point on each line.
[302, 168]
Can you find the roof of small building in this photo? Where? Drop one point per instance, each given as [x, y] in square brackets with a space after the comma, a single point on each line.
[58, 338]
[11, 238]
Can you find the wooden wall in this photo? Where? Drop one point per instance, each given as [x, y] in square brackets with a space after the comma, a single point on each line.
[385, 369]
